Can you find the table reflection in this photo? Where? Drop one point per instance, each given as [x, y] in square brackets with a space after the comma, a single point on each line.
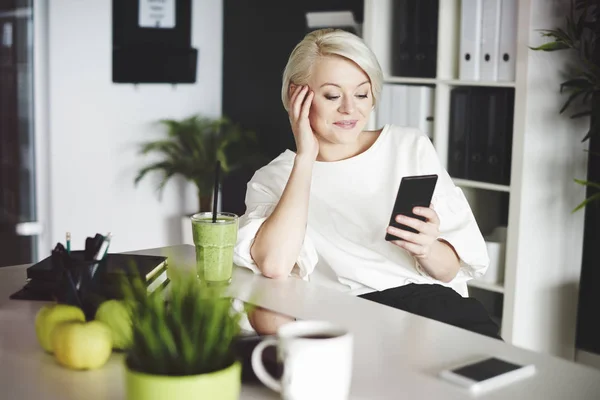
[258, 323]
[266, 322]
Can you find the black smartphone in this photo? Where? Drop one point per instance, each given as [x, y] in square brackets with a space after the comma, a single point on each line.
[487, 374]
[414, 191]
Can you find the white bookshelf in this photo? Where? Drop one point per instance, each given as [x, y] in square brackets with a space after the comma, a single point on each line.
[456, 82]
[410, 81]
[544, 240]
[449, 82]
[465, 183]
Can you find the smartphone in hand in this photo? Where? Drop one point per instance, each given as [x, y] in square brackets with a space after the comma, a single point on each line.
[414, 191]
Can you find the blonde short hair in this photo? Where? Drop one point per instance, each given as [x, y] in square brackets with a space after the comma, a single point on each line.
[329, 42]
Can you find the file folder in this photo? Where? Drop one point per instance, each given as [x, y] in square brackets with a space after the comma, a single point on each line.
[384, 106]
[402, 38]
[480, 134]
[425, 31]
[508, 40]
[490, 40]
[499, 141]
[400, 105]
[428, 106]
[481, 109]
[458, 133]
[414, 38]
[420, 109]
[470, 40]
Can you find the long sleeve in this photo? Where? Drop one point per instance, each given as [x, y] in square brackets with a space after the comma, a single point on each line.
[457, 223]
[263, 192]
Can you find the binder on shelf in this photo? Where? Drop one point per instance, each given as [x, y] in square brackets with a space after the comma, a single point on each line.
[425, 37]
[384, 106]
[407, 105]
[470, 40]
[414, 38]
[428, 119]
[490, 40]
[507, 49]
[402, 45]
[458, 132]
[481, 108]
[499, 140]
[420, 109]
[400, 102]
[480, 134]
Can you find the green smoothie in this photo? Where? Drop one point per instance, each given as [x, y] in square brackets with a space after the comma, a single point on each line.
[214, 246]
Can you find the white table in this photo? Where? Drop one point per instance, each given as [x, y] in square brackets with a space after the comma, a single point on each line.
[397, 354]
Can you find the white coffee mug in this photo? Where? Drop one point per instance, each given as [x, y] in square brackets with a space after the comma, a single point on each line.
[316, 357]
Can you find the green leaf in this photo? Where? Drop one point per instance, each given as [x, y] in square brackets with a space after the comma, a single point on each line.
[588, 183]
[572, 97]
[595, 197]
[582, 114]
[576, 83]
[593, 153]
[551, 46]
[591, 132]
[593, 68]
[558, 35]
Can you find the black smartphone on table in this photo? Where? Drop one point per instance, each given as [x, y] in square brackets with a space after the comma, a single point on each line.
[487, 374]
[414, 191]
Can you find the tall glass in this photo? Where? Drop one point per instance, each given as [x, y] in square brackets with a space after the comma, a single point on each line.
[214, 243]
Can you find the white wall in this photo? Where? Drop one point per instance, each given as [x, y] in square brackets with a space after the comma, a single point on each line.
[546, 247]
[94, 127]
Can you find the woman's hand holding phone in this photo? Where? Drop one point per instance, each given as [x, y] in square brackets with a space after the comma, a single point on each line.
[300, 101]
[419, 244]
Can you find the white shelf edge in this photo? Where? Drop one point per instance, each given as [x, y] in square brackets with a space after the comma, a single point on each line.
[481, 185]
[450, 82]
[457, 82]
[400, 79]
[493, 287]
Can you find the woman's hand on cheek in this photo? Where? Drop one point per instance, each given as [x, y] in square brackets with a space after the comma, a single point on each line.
[300, 101]
[419, 244]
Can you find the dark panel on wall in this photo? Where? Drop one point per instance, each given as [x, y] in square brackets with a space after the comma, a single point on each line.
[147, 53]
[588, 329]
[258, 37]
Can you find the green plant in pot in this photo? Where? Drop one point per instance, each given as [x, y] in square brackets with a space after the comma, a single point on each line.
[580, 35]
[192, 148]
[182, 348]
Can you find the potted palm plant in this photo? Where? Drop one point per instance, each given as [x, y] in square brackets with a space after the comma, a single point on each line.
[192, 148]
[580, 36]
[182, 348]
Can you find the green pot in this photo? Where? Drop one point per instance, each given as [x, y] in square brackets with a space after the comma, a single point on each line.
[220, 385]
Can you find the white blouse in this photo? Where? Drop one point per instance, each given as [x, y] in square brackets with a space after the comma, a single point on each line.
[349, 210]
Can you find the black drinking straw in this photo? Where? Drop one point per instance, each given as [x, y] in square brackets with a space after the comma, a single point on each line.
[216, 191]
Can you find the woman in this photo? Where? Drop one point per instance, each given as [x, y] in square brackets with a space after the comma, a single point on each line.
[322, 213]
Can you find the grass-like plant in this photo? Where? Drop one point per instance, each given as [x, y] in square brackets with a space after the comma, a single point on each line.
[193, 146]
[580, 35]
[192, 333]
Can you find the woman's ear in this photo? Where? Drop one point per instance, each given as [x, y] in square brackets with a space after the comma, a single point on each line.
[291, 89]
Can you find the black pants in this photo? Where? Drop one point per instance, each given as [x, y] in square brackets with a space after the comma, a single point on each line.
[440, 303]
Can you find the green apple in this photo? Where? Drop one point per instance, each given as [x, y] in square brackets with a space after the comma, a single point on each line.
[82, 345]
[51, 315]
[116, 315]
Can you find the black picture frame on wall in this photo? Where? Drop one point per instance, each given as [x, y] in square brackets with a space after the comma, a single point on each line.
[144, 52]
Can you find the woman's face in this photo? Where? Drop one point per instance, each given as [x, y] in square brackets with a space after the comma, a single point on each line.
[342, 102]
